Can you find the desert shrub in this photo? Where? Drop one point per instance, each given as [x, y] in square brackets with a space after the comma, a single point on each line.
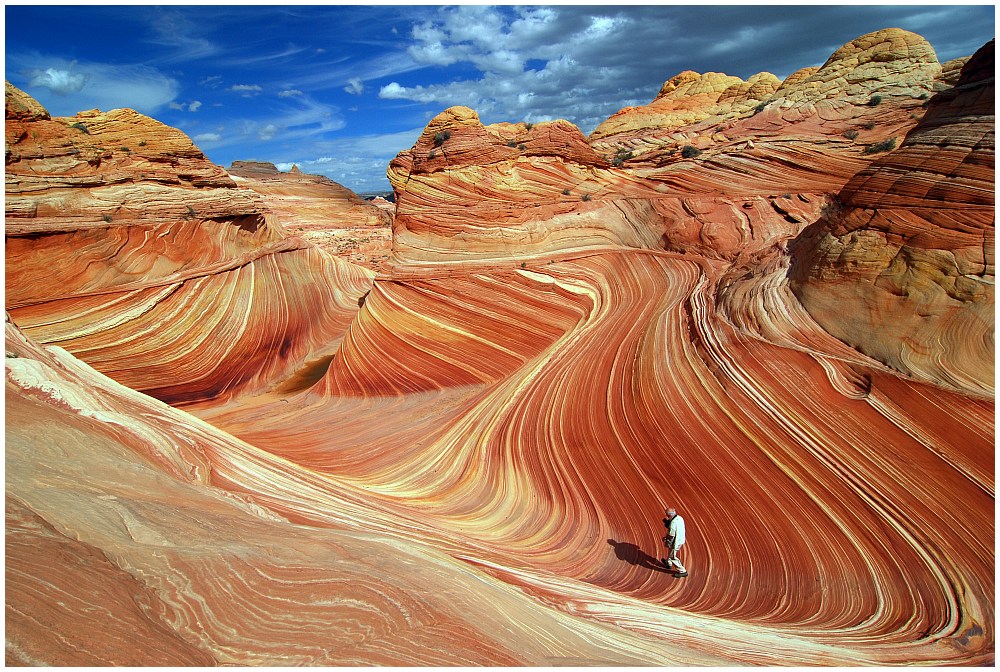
[761, 106]
[107, 218]
[565, 192]
[585, 197]
[440, 137]
[689, 152]
[80, 126]
[191, 212]
[142, 143]
[884, 146]
[621, 156]
[874, 100]
[851, 134]
[868, 125]
[522, 147]
[124, 148]
[512, 143]
[528, 126]
[923, 96]
[524, 264]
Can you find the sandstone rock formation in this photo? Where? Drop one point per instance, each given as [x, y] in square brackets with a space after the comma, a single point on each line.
[467, 464]
[126, 246]
[905, 270]
[323, 212]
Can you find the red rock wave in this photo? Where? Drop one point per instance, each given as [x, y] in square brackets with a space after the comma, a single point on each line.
[479, 448]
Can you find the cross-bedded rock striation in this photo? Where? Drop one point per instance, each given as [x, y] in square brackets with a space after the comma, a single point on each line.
[470, 463]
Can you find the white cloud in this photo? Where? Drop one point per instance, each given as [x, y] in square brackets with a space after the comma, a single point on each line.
[358, 163]
[288, 93]
[58, 81]
[246, 90]
[207, 137]
[193, 106]
[355, 86]
[172, 29]
[267, 132]
[67, 87]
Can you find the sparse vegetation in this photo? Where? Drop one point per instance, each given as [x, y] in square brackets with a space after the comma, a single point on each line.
[923, 96]
[884, 146]
[440, 137]
[142, 143]
[528, 126]
[874, 100]
[431, 154]
[621, 156]
[521, 147]
[851, 134]
[124, 148]
[512, 143]
[107, 218]
[191, 212]
[761, 106]
[690, 152]
[80, 126]
[868, 125]
[565, 192]
[585, 197]
[524, 264]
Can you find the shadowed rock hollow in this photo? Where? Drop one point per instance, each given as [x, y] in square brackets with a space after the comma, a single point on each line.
[785, 331]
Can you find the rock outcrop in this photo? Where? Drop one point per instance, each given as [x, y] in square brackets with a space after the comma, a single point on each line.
[570, 334]
[905, 270]
[127, 247]
[321, 211]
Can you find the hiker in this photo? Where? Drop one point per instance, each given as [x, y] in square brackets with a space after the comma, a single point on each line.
[673, 540]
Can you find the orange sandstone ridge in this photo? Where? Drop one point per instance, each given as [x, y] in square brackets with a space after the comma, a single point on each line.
[464, 460]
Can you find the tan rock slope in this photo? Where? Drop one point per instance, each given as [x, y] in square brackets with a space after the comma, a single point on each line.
[321, 211]
[468, 464]
[905, 271]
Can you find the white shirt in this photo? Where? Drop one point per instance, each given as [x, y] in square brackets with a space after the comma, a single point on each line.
[675, 529]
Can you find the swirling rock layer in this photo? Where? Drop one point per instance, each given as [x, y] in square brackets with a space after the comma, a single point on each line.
[127, 247]
[464, 461]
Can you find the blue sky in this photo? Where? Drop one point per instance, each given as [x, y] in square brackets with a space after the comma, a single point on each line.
[340, 90]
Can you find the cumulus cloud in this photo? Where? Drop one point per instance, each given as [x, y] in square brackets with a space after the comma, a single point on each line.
[67, 87]
[194, 106]
[207, 137]
[58, 81]
[355, 86]
[583, 63]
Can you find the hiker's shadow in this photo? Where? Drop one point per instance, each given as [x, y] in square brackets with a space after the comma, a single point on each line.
[634, 555]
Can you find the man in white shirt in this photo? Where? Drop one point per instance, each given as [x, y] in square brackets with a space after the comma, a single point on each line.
[673, 540]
